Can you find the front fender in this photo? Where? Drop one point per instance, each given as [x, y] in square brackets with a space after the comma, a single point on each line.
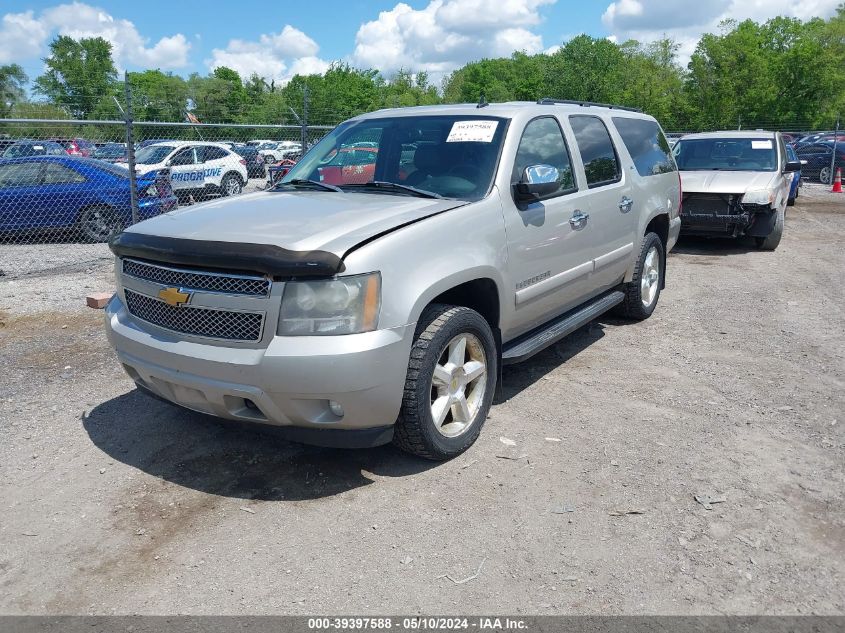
[424, 259]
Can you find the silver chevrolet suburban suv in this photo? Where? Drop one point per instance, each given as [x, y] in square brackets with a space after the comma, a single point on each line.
[375, 293]
[735, 184]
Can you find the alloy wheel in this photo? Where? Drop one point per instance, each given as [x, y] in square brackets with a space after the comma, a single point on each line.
[458, 385]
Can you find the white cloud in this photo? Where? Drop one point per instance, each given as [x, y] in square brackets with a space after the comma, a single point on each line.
[277, 56]
[648, 20]
[291, 42]
[447, 33]
[24, 36]
[507, 41]
[21, 37]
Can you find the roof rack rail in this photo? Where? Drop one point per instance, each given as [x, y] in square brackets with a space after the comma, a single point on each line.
[584, 104]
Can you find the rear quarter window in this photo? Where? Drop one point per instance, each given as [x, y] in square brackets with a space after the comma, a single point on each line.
[647, 145]
[214, 153]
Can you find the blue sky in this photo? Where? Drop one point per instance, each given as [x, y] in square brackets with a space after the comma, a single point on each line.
[279, 39]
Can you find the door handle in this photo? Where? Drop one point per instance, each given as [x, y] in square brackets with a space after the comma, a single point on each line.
[579, 220]
[626, 204]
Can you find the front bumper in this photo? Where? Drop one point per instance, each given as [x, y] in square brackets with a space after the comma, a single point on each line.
[288, 384]
[723, 215]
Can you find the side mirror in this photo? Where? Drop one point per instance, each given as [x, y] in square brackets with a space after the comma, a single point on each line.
[792, 166]
[537, 181]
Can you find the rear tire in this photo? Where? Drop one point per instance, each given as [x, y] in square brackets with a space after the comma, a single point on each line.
[771, 241]
[99, 224]
[450, 383]
[643, 291]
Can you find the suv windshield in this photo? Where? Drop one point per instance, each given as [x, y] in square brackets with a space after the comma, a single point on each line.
[152, 154]
[452, 156]
[727, 154]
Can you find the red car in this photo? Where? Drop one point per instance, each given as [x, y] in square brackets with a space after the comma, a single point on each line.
[76, 146]
[350, 166]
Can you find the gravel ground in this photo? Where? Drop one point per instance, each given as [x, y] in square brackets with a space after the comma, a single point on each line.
[733, 390]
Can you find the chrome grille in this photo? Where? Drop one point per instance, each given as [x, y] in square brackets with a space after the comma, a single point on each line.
[197, 280]
[207, 322]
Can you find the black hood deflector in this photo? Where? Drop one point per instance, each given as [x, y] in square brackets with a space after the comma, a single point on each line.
[266, 259]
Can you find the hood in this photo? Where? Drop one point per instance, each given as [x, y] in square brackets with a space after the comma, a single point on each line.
[274, 232]
[726, 181]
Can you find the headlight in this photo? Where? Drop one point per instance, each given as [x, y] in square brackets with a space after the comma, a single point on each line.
[150, 191]
[761, 196]
[346, 305]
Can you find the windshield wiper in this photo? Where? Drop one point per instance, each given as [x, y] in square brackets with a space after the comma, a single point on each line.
[392, 186]
[311, 183]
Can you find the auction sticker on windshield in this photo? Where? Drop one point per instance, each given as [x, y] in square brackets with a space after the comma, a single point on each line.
[761, 145]
[472, 132]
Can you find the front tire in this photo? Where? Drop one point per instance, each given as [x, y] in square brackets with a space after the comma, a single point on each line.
[825, 176]
[450, 383]
[643, 291]
[771, 241]
[231, 185]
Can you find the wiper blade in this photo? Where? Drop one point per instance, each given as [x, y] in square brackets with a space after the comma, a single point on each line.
[311, 183]
[392, 186]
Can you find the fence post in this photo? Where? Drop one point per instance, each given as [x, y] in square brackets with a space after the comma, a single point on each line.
[833, 154]
[130, 150]
[304, 121]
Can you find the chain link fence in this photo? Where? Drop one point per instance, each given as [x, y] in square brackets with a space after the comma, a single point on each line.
[67, 186]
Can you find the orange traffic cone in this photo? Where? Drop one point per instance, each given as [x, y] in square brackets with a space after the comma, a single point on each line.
[837, 182]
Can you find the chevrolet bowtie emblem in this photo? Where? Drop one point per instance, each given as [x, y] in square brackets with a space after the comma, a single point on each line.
[174, 296]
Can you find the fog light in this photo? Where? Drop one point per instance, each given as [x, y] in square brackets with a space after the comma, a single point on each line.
[336, 408]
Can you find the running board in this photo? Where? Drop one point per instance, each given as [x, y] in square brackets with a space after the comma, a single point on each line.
[537, 340]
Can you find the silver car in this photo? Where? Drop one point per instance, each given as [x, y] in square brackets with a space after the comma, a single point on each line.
[735, 184]
[355, 304]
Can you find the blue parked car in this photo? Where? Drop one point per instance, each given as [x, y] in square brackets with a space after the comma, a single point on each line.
[796, 178]
[69, 192]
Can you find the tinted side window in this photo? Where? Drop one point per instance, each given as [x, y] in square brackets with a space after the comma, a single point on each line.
[20, 175]
[213, 153]
[542, 144]
[184, 157]
[57, 174]
[597, 152]
[646, 144]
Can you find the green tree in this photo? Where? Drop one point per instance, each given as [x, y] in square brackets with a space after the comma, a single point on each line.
[586, 69]
[490, 78]
[781, 73]
[218, 98]
[29, 110]
[80, 74]
[158, 96]
[653, 82]
[12, 82]
[338, 94]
